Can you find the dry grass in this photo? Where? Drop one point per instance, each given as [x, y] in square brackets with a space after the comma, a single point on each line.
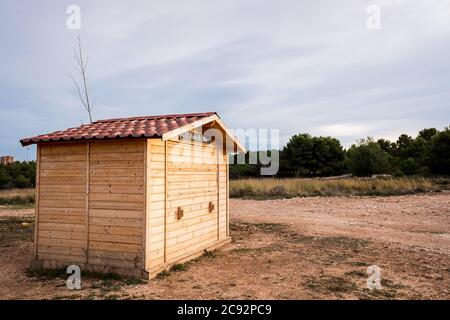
[17, 197]
[292, 187]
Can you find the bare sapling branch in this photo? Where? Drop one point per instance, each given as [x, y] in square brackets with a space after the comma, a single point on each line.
[81, 88]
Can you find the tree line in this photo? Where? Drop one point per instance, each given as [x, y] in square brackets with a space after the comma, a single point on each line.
[18, 175]
[309, 156]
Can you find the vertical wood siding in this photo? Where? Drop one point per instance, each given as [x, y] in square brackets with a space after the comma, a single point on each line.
[155, 245]
[103, 203]
[116, 206]
[196, 175]
[91, 204]
[61, 228]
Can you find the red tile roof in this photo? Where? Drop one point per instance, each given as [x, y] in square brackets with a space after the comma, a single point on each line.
[135, 127]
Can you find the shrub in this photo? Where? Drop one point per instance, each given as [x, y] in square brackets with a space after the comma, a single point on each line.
[440, 153]
[367, 158]
[277, 191]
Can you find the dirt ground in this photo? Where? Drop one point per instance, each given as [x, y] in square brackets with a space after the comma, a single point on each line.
[303, 248]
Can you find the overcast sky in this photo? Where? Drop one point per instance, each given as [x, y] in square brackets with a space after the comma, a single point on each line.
[297, 66]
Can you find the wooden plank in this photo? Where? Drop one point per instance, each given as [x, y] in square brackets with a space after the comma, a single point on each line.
[155, 189]
[116, 213]
[187, 194]
[117, 189]
[53, 234]
[68, 243]
[157, 165]
[193, 190]
[63, 172]
[157, 157]
[193, 167]
[62, 165]
[117, 172]
[144, 201]
[60, 218]
[70, 148]
[188, 247]
[155, 221]
[113, 156]
[165, 199]
[228, 200]
[175, 230]
[55, 195]
[114, 164]
[63, 211]
[184, 178]
[88, 149]
[62, 203]
[194, 209]
[113, 255]
[117, 147]
[116, 197]
[175, 224]
[124, 181]
[70, 258]
[128, 222]
[158, 174]
[63, 158]
[62, 251]
[157, 204]
[62, 188]
[50, 226]
[116, 230]
[191, 185]
[128, 205]
[116, 247]
[115, 238]
[63, 181]
[108, 261]
[191, 201]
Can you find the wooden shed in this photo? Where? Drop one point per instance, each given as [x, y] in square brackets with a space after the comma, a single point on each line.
[134, 195]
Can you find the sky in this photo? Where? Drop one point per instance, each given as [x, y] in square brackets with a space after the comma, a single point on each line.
[297, 66]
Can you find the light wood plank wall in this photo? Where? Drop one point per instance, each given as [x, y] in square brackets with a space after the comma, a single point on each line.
[192, 176]
[103, 227]
[102, 203]
[61, 225]
[155, 222]
[116, 203]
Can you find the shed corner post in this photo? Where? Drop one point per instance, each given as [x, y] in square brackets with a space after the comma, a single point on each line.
[218, 155]
[88, 146]
[146, 211]
[166, 187]
[36, 201]
[227, 178]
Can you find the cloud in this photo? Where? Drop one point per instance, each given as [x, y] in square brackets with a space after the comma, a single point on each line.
[298, 66]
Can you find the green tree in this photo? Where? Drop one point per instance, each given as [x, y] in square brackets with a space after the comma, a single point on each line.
[427, 134]
[413, 153]
[244, 170]
[388, 146]
[367, 158]
[439, 160]
[18, 175]
[305, 155]
[404, 146]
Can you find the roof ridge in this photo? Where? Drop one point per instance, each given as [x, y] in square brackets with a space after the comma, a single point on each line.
[161, 116]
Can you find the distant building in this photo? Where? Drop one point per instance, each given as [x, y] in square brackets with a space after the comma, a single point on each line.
[6, 160]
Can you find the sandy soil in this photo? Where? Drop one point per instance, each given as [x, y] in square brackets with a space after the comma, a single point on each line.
[305, 248]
